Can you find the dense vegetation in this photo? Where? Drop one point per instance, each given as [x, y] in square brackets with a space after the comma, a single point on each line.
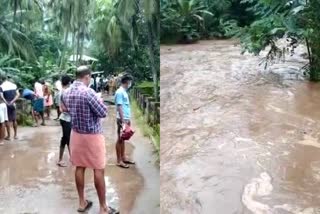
[295, 20]
[258, 24]
[190, 20]
[37, 37]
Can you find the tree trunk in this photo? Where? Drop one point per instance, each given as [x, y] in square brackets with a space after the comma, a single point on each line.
[78, 49]
[313, 41]
[73, 47]
[81, 47]
[152, 59]
[315, 65]
[62, 59]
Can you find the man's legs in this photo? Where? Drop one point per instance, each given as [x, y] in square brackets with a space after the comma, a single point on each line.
[42, 118]
[3, 118]
[2, 133]
[119, 150]
[124, 158]
[122, 151]
[8, 130]
[66, 131]
[100, 185]
[58, 112]
[62, 141]
[120, 147]
[79, 176]
[15, 128]
[34, 117]
[48, 111]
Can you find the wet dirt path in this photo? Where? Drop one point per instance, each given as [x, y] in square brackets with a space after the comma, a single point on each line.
[30, 181]
[236, 139]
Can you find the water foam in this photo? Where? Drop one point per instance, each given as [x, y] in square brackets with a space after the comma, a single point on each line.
[260, 186]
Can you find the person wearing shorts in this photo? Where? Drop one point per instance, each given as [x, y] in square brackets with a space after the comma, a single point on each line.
[123, 117]
[38, 110]
[10, 95]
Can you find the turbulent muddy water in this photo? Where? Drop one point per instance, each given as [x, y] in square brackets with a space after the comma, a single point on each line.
[236, 138]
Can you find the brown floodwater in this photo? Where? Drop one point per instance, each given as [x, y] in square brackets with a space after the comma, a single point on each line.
[31, 183]
[236, 138]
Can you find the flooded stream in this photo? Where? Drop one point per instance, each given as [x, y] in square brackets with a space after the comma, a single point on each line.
[235, 138]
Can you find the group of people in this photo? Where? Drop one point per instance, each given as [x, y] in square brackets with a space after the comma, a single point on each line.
[112, 85]
[80, 111]
[103, 84]
[42, 101]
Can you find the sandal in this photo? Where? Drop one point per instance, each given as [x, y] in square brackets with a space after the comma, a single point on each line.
[112, 211]
[123, 165]
[88, 206]
[129, 162]
[61, 164]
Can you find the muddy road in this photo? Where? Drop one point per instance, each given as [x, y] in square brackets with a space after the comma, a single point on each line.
[235, 138]
[30, 181]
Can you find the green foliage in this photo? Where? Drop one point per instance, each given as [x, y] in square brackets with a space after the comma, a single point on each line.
[182, 19]
[24, 119]
[121, 38]
[297, 20]
[189, 20]
[145, 88]
[37, 37]
[152, 132]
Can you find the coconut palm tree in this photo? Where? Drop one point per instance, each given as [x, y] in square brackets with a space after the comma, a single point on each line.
[70, 17]
[12, 40]
[127, 12]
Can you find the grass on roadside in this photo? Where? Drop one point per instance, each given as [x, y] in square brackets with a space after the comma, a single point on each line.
[147, 130]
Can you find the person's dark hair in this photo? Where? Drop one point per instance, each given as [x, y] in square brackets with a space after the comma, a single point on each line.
[65, 80]
[125, 79]
[82, 71]
[20, 91]
[42, 81]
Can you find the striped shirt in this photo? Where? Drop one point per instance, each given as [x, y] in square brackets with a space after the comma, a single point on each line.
[85, 109]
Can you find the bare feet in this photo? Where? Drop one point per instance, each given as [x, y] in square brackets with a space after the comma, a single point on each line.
[103, 210]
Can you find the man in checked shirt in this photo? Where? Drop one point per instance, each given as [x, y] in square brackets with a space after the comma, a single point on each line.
[87, 144]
